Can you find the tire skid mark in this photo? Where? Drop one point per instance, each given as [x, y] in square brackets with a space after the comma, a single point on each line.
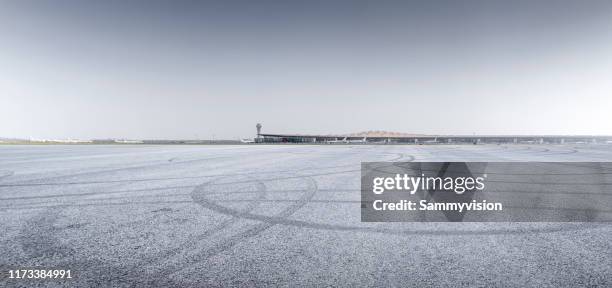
[6, 173]
[322, 226]
[236, 238]
[261, 191]
[394, 163]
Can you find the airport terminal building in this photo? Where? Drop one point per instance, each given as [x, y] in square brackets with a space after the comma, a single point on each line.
[383, 137]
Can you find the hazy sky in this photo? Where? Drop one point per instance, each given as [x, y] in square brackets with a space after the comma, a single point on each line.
[194, 69]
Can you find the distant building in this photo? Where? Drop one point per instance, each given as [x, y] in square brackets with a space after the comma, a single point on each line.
[385, 137]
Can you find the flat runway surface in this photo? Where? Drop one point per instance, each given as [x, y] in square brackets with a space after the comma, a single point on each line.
[257, 215]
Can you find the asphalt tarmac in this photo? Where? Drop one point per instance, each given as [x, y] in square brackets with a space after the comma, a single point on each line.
[269, 215]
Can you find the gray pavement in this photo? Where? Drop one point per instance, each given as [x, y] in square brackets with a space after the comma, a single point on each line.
[269, 215]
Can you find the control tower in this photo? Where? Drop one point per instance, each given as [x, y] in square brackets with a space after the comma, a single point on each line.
[258, 126]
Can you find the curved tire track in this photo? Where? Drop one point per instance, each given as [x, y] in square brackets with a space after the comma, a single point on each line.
[199, 197]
